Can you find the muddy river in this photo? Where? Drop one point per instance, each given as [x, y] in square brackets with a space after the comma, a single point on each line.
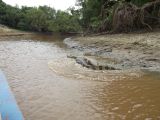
[49, 86]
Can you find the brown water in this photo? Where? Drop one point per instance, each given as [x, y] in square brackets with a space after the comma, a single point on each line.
[49, 86]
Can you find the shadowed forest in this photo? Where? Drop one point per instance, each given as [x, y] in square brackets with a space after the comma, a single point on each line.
[90, 16]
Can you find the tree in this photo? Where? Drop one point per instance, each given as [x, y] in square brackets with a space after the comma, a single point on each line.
[41, 19]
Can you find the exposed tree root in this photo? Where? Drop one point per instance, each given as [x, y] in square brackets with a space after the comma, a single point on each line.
[129, 17]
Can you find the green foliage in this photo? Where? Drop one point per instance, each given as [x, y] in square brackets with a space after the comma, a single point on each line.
[139, 2]
[67, 22]
[91, 14]
[96, 11]
[41, 19]
[95, 23]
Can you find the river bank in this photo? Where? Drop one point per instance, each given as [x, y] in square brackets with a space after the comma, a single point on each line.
[118, 51]
[9, 32]
[49, 86]
[110, 51]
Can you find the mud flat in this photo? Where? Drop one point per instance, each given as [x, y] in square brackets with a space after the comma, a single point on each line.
[118, 51]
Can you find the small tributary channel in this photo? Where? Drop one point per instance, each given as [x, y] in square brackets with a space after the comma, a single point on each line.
[49, 86]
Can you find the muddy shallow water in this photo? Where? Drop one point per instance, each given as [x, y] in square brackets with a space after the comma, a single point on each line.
[49, 86]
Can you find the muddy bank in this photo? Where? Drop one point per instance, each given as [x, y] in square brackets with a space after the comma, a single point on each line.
[49, 86]
[117, 51]
[8, 32]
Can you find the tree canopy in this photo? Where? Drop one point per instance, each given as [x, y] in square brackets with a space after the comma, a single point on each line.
[41, 19]
[92, 15]
[100, 15]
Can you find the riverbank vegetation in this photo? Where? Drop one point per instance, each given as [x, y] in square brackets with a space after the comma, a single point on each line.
[92, 16]
[41, 19]
[119, 15]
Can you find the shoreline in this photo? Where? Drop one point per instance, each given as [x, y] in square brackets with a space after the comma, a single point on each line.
[118, 51]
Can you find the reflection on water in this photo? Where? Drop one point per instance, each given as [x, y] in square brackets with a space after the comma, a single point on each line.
[67, 91]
